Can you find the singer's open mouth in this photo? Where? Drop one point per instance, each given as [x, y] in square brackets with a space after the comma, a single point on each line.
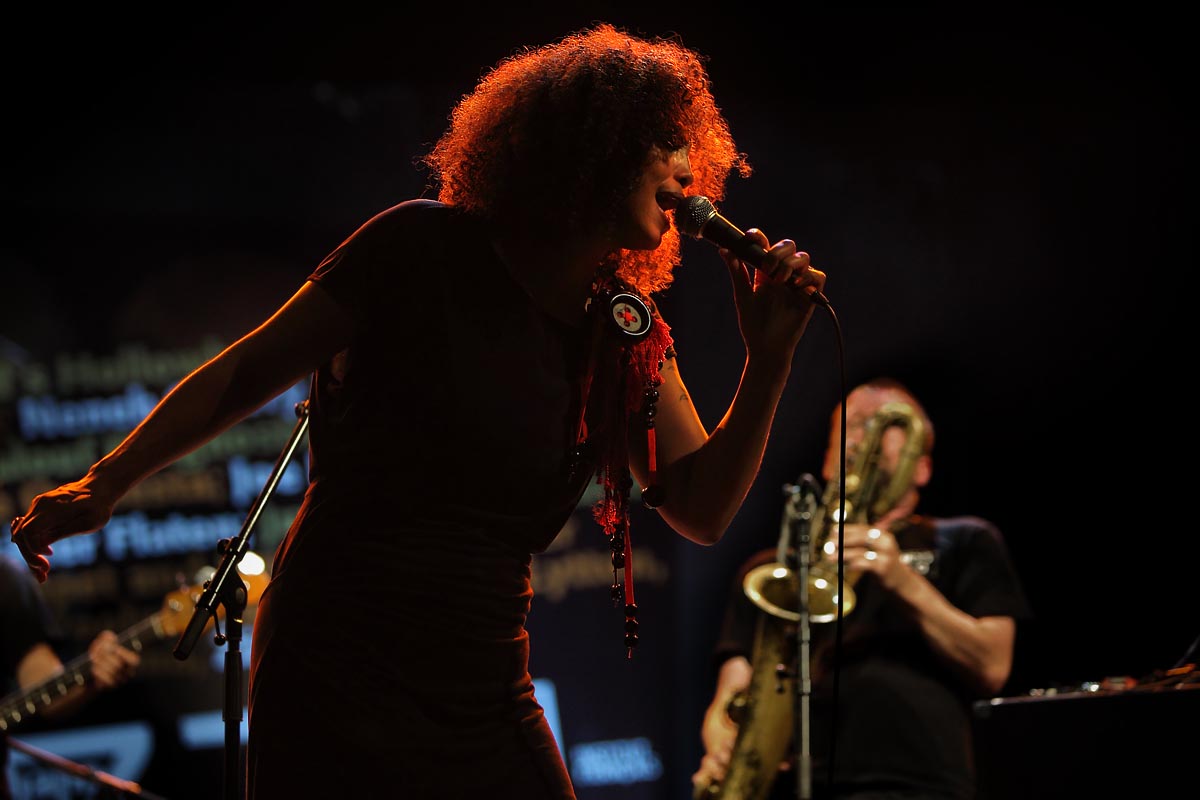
[668, 201]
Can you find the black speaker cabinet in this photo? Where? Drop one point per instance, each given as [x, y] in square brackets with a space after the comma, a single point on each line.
[1132, 743]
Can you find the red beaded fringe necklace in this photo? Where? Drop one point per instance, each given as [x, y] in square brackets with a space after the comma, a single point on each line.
[629, 343]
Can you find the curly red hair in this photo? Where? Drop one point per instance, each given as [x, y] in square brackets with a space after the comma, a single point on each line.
[558, 135]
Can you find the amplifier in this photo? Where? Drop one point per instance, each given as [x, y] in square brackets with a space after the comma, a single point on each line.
[1094, 742]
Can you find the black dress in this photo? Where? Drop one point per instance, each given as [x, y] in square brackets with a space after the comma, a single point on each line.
[390, 656]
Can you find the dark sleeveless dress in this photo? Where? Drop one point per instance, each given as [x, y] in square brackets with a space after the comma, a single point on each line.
[390, 656]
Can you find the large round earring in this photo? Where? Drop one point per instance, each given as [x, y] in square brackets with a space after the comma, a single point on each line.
[630, 315]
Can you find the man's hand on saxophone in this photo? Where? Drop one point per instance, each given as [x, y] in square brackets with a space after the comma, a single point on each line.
[719, 731]
[872, 549]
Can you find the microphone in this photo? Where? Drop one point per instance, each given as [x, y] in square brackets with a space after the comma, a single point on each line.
[696, 217]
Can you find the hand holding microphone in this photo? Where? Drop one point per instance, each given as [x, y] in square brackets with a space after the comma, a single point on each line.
[696, 217]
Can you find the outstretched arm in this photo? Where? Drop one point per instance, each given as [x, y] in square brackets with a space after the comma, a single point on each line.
[306, 331]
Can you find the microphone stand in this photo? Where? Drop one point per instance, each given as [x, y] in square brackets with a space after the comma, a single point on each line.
[226, 588]
[799, 512]
[118, 786]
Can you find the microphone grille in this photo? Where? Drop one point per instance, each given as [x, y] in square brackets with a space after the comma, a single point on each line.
[692, 214]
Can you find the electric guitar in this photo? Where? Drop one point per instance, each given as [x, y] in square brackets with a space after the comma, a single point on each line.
[170, 620]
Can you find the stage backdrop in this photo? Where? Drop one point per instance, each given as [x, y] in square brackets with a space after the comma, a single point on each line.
[141, 574]
[1001, 207]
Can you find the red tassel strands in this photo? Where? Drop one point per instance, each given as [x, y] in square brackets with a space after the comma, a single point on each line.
[629, 344]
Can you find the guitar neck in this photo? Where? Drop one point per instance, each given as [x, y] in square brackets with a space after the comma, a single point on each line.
[25, 703]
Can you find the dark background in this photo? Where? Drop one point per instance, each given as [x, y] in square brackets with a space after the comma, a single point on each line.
[999, 201]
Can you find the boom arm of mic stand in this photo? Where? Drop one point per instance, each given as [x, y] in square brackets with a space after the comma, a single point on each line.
[226, 587]
[214, 589]
[120, 786]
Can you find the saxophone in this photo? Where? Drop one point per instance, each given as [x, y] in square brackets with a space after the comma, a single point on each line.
[765, 710]
[870, 493]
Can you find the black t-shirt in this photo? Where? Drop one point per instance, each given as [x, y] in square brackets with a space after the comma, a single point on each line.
[903, 720]
[25, 621]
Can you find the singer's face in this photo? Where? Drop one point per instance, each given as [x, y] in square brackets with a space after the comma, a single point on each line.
[645, 221]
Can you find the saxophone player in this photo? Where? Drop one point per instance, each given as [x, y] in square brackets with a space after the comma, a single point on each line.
[926, 636]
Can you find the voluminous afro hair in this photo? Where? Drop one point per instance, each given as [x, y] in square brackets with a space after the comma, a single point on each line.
[558, 135]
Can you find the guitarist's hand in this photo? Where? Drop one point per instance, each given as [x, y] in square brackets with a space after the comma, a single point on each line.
[70, 509]
[112, 664]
